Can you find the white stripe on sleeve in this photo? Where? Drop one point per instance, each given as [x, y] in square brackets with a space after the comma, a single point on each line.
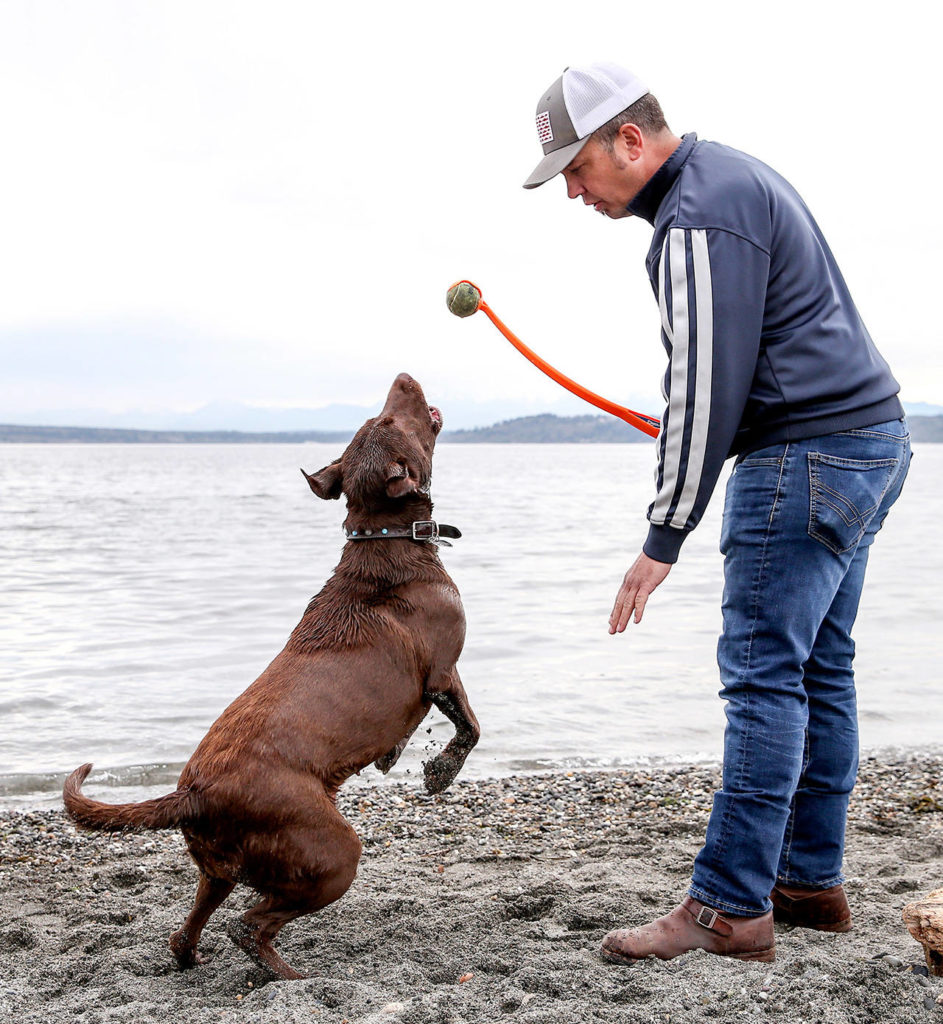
[678, 392]
[697, 446]
[662, 300]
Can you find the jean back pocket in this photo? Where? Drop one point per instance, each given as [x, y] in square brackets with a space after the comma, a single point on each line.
[844, 494]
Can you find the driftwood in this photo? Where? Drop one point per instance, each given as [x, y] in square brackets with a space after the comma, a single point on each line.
[924, 918]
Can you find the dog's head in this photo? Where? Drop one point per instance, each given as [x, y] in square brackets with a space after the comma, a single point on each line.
[390, 457]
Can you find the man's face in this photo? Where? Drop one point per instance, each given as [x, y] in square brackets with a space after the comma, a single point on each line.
[606, 181]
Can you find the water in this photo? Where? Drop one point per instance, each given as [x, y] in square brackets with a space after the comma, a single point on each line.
[145, 586]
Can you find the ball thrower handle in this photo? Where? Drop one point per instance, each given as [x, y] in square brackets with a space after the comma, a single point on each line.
[647, 424]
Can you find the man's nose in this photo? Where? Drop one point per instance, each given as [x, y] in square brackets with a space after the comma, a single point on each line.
[572, 188]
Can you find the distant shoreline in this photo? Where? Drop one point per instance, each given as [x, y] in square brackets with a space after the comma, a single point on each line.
[542, 429]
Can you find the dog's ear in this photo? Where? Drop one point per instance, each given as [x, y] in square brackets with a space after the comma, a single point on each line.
[398, 481]
[327, 483]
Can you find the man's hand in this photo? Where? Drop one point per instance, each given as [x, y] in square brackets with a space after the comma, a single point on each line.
[639, 582]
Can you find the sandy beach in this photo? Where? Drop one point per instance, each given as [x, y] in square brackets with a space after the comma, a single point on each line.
[485, 904]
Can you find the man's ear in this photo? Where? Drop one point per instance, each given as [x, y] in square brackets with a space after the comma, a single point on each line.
[398, 481]
[327, 483]
[630, 141]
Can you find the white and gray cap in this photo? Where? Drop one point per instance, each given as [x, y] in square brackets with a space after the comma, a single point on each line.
[579, 101]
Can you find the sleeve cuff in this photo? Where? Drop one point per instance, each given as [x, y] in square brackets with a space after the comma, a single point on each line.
[664, 543]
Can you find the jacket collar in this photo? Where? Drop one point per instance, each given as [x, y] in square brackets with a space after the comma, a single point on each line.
[646, 203]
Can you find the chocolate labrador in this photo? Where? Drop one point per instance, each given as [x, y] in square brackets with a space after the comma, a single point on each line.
[374, 650]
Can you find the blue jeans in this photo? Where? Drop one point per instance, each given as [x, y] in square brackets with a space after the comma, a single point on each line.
[799, 520]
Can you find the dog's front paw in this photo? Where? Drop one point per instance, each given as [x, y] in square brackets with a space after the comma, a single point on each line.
[386, 762]
[440, 773]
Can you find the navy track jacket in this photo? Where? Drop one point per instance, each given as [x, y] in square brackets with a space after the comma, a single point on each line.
[765, 344]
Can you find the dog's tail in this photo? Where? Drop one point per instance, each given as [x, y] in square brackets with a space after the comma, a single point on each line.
[168, 811]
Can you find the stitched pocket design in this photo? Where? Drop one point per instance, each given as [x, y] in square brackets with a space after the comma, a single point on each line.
[844, 494]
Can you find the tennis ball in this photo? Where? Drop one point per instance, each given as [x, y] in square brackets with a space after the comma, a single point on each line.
[463, 299]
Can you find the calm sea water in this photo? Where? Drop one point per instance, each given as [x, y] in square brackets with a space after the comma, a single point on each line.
[145, 586]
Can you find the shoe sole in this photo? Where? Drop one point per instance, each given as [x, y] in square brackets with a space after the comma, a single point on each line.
[838, 926]
[762, 955]
[782, 916]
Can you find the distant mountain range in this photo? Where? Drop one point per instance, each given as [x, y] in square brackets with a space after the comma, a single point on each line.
[544, 428]
[549, 429]
[238, 417]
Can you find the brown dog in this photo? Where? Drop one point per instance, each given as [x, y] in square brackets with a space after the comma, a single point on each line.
[374, 649]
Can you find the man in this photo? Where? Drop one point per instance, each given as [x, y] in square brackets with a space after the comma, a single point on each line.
[770, 362]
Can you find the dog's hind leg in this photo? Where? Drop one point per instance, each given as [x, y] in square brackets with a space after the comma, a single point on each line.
[450, 698]
[255, 931]
[320, 862]
[209, 895]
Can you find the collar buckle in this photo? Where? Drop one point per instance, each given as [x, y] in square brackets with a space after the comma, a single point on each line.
[426, 531]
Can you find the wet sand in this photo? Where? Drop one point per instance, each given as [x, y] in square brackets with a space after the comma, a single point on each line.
[483, 905]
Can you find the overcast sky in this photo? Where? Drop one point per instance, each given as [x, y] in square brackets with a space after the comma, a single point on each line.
[265, 202]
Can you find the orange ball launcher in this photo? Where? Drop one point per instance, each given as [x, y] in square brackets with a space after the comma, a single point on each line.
[464, 298]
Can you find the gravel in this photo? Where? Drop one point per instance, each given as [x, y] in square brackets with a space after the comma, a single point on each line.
[485, 904]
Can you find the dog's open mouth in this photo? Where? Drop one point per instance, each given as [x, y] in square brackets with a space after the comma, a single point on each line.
[436, 416]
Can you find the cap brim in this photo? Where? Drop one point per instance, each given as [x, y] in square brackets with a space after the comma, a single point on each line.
[554, 162]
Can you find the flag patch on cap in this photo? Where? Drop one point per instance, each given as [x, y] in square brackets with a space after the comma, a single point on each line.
[544, 131]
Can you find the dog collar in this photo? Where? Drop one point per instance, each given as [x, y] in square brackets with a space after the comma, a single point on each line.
[425, 531]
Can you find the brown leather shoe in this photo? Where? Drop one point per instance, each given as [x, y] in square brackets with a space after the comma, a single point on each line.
[825, 910]
[693, 926]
